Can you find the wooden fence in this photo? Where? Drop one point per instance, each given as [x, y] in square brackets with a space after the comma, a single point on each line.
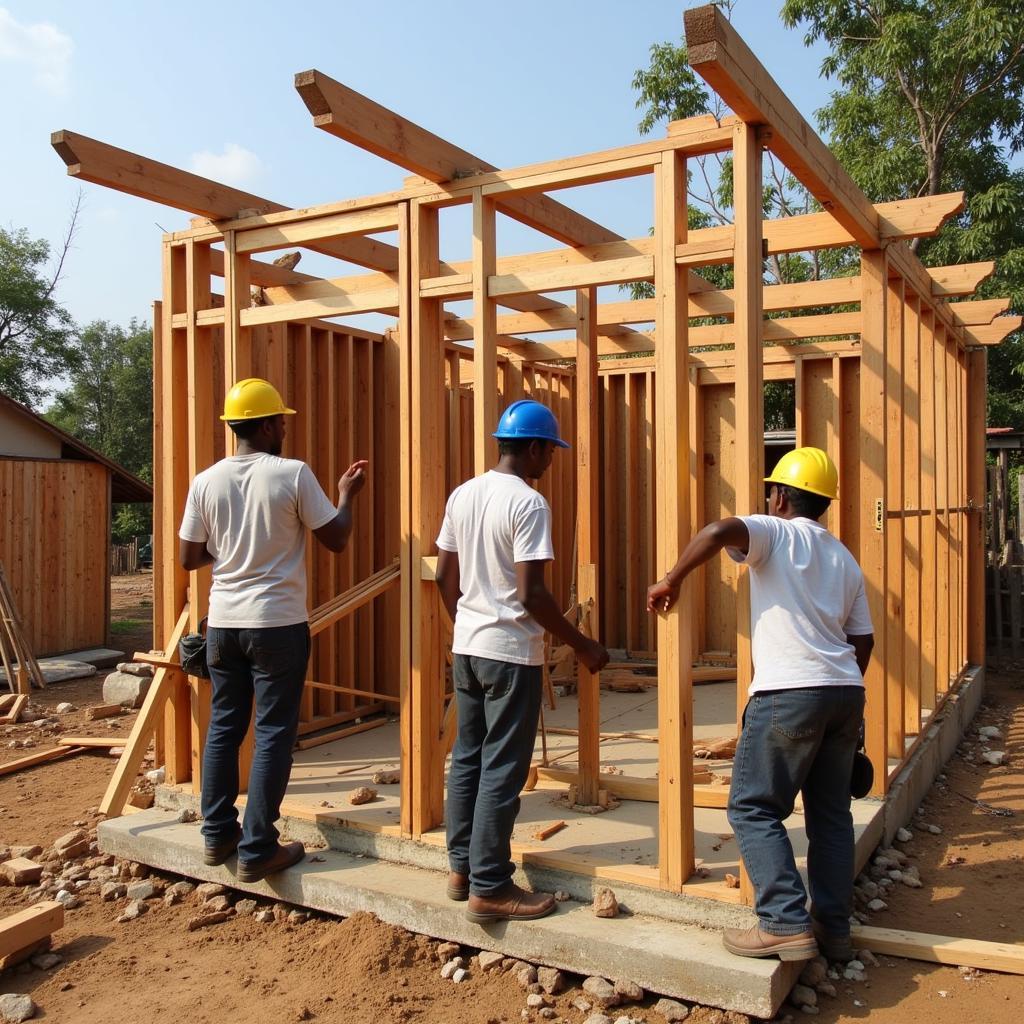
[124, 558]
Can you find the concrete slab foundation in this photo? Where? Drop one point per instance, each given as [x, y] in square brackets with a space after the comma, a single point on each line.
[57, 670]
[682, 961]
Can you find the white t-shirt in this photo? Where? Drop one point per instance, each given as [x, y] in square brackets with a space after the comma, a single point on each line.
[806, 597]
[252, 511]
[492, 522]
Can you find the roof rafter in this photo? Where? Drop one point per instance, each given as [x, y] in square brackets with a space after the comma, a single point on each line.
[718, 54]
[103, 164]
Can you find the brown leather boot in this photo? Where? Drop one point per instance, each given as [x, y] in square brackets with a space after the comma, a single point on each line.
[283, 857]
[458, 886]
[510, 904]
[217, 852]
[755, 942]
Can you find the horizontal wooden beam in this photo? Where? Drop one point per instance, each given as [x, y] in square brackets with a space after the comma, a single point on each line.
[995, 332]
[385, 301]
[978, 313]
[960, 279]
[718, 54]
[140, 176]
[942, 949]
[330, 227]
[265, 275]
[349, 115]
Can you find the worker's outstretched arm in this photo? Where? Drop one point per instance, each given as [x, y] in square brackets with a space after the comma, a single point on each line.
[726, 533]
[335, 534]
[533, 592]
[449, 580]
[192, 554]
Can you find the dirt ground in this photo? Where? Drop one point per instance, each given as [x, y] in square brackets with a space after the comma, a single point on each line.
[359, 970]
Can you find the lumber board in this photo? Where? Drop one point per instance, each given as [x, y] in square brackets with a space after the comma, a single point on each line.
[16, 708]
[942, 949]
[350, 730]
[676, 858]
[27, 927]
[718, 54]
[346, 114]
[98, 711]
[959, 279]
[354, 598]
[146, 722]
[92, 741]
[996, 332]
[103, 164]
[40, 757]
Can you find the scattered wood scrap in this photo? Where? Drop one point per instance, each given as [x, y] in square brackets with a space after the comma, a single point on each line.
[102, 711]
[91, 741]
[16, 708]
[40, 757]
[549, 830]
[942, 949]
[21, 934]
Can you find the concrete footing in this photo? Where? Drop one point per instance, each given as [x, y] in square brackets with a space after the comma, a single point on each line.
[682, 961]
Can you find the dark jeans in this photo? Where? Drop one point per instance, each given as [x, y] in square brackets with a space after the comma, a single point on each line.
[269, 664]
[498, 704]
[798, 741]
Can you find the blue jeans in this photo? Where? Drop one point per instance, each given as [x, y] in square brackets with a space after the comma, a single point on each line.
[498, 704]
[798, 741]
[270, 665]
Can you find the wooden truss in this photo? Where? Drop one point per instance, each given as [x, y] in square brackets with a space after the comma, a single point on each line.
[665, 414]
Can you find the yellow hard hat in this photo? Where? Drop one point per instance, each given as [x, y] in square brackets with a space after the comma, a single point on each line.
[807, 469]
[252, 399]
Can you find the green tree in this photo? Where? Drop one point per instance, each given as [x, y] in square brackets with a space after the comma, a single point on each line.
[108, 404]
[930, 100]
[36, 332]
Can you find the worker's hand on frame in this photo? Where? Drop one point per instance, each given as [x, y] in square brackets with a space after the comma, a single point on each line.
[594, 656]
[661, 596]
[352, 480]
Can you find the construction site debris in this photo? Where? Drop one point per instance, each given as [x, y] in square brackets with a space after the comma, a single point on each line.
[386, 778]
[731, 881]
[15, 1008]
[64, 708]
[628, 991]
[363, 795]
[526, 975]
[605, 903]
[264, 916]
[490, 961]
[132, 911]
[994, 757]
[102, 711]
[205, 891]
[549, 830]
[205, 920]
[601, 991]
[136, 668]
[187, 815]
[21, 871]
[126, 688]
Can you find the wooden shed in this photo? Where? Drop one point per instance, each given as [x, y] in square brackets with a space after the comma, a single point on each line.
[56, 495]
[661, 398]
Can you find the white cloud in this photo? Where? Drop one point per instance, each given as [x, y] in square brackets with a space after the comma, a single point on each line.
[234, 166]
[42, 46]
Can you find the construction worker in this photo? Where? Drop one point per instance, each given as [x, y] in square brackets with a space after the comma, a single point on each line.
[811, 641]
[494, 544]
[247, 516]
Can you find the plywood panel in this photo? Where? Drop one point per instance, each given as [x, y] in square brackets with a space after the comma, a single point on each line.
[54, 525]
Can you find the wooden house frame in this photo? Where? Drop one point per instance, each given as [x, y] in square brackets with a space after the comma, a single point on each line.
[891, 383]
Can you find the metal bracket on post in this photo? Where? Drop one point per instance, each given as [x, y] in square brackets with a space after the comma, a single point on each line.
[879, 514]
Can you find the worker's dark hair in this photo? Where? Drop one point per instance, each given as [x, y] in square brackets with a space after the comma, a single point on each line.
[246, 429]
[516, 445]
[804, 503]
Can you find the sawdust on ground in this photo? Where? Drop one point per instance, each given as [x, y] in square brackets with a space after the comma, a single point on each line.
[360, 970]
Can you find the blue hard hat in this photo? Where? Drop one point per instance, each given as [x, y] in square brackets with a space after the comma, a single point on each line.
[526, 420]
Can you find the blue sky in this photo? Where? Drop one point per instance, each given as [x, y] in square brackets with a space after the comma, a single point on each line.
[208, 87]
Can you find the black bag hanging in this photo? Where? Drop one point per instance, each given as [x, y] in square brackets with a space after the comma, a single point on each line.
[863, 775]
[192, 653]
